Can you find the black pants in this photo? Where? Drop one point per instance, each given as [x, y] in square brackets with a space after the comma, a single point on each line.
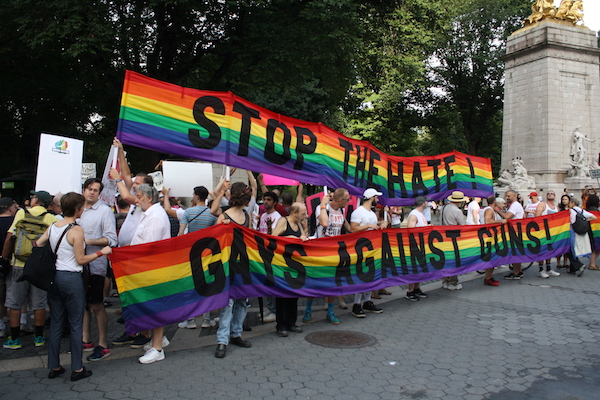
[286, 312]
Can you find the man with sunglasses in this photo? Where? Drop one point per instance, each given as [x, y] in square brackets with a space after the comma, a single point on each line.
[546, 208]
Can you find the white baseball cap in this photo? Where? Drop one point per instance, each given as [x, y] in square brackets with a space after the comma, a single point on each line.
[370, 193]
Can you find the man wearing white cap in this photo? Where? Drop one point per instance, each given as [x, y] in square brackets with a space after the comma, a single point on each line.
[452, 215]
[416, 219]
[364, 219]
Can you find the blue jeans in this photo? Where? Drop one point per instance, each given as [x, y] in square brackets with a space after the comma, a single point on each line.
[66, 299]
[231, 320]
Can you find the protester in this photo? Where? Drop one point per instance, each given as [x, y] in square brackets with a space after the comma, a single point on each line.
[287, 308]
[8, 209]
[473, 211]
[268, 221]
[18, 293]
[364, 219]
[452, 215]
[232, 316]
[66, 296]
[593, 204]
[565, 201]
[416, 219]
[546, 208]
[580, 243]
[515, 211]
[490, 216]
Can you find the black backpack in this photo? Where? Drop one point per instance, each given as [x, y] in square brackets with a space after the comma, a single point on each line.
[581, 226]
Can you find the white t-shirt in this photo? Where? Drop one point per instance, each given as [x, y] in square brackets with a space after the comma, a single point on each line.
[421, 221]
[516, 209]
[336, 222]
[473, 207]
[363, 217]
[263, 227]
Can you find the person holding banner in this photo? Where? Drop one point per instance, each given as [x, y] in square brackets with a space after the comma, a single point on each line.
[546, 208]
[580, 243]
[451, 214]
[416, 219]
[364, 219]
[268, 221]
[515, 211]
[287, 308]
[231, 319]
[489, 216]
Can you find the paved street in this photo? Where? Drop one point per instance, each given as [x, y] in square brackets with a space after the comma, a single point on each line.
[531, 339]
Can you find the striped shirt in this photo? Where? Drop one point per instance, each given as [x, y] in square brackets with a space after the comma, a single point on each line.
[198, 217]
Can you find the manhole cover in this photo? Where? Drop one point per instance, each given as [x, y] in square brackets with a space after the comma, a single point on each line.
[341, 339]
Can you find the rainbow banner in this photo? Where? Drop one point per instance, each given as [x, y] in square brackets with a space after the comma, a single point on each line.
[173, 280]
[223, 128]
[595, 230]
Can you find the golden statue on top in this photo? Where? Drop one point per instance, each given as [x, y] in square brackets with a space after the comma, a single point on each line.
[570, 11]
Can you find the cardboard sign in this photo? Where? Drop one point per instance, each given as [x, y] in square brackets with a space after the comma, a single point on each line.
[59, 164]
[158, 179]
[182, 177]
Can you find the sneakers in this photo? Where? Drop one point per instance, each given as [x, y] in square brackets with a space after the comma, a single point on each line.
[307, 316]
[491, 282]
[12, 344]
[295, 329]
[188, 324]
[419, 293]
[512, 276]
[458, 286]
[343, 305]
[165, 343]
[56, 372]
[580, 270]
[357, 311]
[412, 296]
[98, 354]
[543, 274]
[282, 333]
[88, 346]
[84, 373]
[332, 318]
[552, 273]
[221, 350]
[370, 307]
[238, 341]
[139, 342]
[269, 317]
[444, 285]
[124, 339]
[208, 324]
[151, 356]
[39, 341]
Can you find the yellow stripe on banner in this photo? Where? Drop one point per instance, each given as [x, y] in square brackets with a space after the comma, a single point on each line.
[153, 277]
[159, 108]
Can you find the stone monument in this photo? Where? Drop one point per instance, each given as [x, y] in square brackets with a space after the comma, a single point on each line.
[552, 99]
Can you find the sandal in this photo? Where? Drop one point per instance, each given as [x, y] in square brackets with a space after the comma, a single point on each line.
[384, 292]
[374, 295]
[593, 267]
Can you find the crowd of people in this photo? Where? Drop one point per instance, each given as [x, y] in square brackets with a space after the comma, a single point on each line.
[82, 231]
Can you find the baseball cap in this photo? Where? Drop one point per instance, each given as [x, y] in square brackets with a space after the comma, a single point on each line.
[420, 200]
[533, 194]
[6, 202]
[370, 193]
[43, 196]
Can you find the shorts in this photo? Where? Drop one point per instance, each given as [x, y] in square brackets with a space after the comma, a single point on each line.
[94, 291]
[18, 292]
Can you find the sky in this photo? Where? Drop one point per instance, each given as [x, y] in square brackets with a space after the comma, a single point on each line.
[591, 13]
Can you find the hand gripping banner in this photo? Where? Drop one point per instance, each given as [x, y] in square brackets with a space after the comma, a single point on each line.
[223, 128]
[165, 282]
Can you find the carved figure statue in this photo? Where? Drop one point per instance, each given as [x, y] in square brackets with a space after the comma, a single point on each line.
[569, 10]
[563, 9]
[580, 166]
[541, 9]
[575, 13]
[518, 179]
[505, 179]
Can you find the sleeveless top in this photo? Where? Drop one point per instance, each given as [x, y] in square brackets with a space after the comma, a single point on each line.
[246, 219]
[65, 256]
[421, 220]
[289, 231]
[548, 210]
[497, 217]
[531, 208]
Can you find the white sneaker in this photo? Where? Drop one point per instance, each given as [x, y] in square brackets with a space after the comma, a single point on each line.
[326, 307]
[552, 273]
[165, 343]
[188, 324]
[343, 305]
[543, 274]
[444, 285]
[269, 317]
[458, 286]
[208, 324]
[216, 319]
[151, 356]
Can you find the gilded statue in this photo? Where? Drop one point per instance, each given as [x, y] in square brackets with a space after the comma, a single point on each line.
[570, 11]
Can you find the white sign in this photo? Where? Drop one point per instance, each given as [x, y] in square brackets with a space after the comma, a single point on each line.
[110, 187]
[157, 178]
[88, 170]
[183, 177]
[59, 164]
[595, 173]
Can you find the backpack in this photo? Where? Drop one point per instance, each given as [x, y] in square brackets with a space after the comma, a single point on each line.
[27, 231]
[581, 226]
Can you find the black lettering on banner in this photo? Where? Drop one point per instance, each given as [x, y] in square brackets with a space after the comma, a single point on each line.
[417, 181]
[267, 253]
[361, 164]
[485, 247]
[500, 237]
[373, 170]
[387, 258]
[403, 262]
[396, 179]
[455, 234]
[239, 264]
[289, 250]
[449, 172]
[247, 114]
[417, 252]
[369, 275]
[215, 269]
[436, 263]
[472, 170]
[436, 176]
[548, 235]
[214, 132]
[536, 247]
[347, 149]
[304, 148]
[343, 268]
[516, 238]
[270, 154]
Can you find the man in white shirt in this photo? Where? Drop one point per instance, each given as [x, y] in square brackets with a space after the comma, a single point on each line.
[473, 211]
[268, 222]
[515, 211]
[364, 219]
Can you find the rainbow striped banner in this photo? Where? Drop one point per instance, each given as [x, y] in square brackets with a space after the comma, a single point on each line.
[223, 128]
[172, 280]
